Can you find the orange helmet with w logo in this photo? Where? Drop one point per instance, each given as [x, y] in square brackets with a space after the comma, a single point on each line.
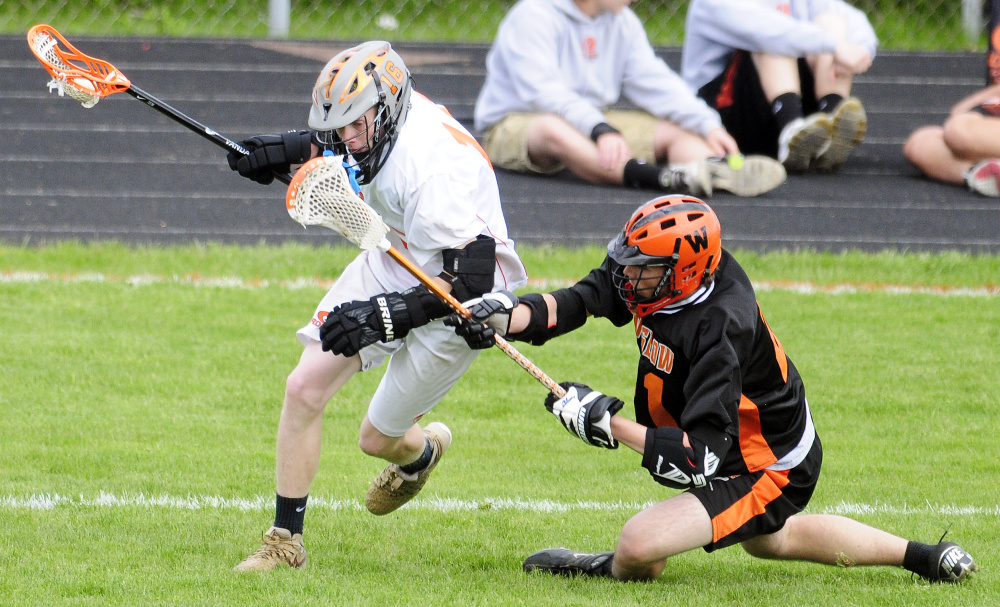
[682, 235]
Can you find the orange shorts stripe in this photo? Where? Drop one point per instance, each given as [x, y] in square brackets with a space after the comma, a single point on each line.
[765, 490]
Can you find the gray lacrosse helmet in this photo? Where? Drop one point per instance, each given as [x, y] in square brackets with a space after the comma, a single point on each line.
[365, 76]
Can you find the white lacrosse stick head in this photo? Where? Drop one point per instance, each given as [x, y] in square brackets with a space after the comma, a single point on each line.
[321, 194]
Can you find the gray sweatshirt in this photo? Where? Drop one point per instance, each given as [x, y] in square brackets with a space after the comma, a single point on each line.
[549, 57]
[717, 28]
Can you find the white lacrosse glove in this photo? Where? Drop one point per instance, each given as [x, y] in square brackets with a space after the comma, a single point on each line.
[586, 413]
[490, 316]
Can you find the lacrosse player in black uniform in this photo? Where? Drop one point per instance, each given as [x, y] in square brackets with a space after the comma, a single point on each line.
[720, 410]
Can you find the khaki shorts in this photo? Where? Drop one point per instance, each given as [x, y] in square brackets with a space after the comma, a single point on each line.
[507, 142]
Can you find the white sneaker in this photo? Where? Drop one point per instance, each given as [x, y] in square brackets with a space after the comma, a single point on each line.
[693, 178]
[850, 123]
[984, 178]
[741, 175]
[803, 139]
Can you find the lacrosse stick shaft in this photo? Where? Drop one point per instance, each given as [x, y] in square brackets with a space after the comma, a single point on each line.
[457, 306]
[194, 125]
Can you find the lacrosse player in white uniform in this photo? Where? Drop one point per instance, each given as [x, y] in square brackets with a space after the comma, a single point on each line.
[434, 187]
[553, 75]
[779, 72]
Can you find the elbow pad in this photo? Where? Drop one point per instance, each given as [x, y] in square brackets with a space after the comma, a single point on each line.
[470, 269]
[672, 464]
[570, 315]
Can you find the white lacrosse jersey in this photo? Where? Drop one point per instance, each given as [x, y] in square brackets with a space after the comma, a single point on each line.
[717, 28]
[550, 57]
[437, 190]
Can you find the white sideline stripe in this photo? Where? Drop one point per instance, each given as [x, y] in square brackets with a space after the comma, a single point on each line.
[232, 282]
[433, 504]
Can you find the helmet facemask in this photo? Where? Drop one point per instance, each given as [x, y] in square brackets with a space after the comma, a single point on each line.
[629, 288]
[368, 76]
[679, 234]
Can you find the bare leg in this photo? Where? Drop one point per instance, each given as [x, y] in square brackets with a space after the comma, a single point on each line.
[670, 527]
[674, 144]
[552, 140]
[310, 386]
[927, 150]
[972, 136]
[831, 540]
[397, 449]
[778, 74]
[827, 79]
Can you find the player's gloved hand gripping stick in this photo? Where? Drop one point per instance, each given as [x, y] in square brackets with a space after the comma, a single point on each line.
[88, 79]
[319, 195]
[323, 193]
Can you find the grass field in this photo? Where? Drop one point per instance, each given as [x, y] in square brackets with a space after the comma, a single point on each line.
[140, 392]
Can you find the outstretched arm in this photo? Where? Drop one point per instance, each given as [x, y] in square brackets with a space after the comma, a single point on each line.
[520, 318]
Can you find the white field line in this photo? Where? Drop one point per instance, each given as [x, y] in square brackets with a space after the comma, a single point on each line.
[431, 504]
[229, 282]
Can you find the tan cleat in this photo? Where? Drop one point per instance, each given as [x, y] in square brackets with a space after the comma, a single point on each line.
[850, 123]
[391, 489]
[803, 139]
[279, 548]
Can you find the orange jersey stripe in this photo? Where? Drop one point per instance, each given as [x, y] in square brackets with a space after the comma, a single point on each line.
[779, 351]
[765, 490]
[756, 452]
[654, 391]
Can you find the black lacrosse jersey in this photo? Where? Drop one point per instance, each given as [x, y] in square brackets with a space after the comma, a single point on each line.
[711, 367]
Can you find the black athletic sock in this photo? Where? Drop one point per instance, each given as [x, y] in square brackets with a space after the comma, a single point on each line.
[917, 558]
[786, 108]
[829, 103]
[290, 513]
[421, 462]
[638, 174]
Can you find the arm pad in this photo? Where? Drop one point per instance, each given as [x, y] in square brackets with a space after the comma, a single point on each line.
[674, 465]
[470, 269]
[570, 314]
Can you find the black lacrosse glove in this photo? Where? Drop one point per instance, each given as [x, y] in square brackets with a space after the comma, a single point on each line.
[383, 318]
[490, 317]
[270, 154]
[586, 413]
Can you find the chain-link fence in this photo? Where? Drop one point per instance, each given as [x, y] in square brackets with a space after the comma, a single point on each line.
[900, 24]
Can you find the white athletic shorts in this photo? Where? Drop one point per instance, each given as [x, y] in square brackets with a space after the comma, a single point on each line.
[422, 368]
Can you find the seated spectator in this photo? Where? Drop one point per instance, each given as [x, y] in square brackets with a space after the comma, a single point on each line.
[556, 68]
[779, 73]
[966, 149]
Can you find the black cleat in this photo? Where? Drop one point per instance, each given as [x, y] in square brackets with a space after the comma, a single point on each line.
[950, 563]
[562, 561]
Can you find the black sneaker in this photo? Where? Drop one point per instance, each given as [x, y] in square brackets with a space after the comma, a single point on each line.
[951, 564]
[563, 561]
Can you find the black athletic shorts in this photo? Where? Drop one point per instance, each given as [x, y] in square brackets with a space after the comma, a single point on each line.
[746, 113]
[746, 506]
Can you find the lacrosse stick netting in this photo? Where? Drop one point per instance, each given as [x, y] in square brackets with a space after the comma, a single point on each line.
[80, 76]
[321, 194]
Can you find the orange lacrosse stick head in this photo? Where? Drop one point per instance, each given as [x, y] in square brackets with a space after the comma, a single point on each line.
[83, 77]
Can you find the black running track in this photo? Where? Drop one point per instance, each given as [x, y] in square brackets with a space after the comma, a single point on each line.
[123, 171]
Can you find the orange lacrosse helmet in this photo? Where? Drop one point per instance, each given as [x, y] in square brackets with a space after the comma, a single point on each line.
[680, 234]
